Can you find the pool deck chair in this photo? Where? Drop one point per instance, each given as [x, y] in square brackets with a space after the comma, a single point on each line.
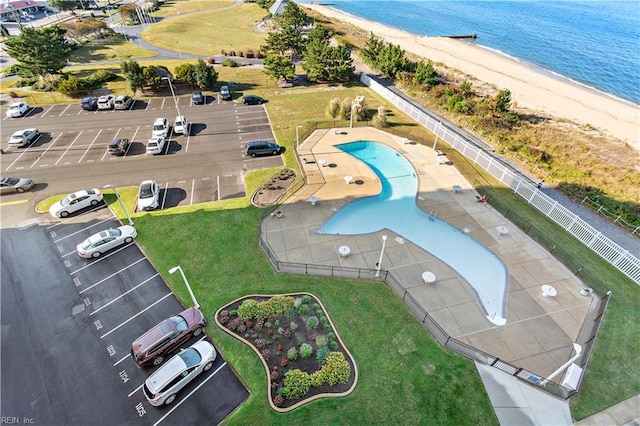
[457, 189]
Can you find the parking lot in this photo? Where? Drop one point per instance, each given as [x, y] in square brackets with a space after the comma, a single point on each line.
[207, 165]
[68, 325]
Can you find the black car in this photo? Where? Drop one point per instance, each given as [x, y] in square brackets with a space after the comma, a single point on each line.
[89, 103]
[261, 148]
[197, 97]
[252, 100]
[119, 146]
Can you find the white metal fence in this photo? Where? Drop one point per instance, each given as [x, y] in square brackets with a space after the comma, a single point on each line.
[591, 237]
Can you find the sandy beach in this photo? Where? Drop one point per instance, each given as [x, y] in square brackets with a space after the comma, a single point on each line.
[530, 88]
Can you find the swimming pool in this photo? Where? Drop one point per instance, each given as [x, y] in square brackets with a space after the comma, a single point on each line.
[395, 209]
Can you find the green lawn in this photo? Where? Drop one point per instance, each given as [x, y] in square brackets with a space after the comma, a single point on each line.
[176, 8]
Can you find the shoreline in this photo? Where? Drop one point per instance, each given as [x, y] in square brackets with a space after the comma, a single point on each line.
[531, 87]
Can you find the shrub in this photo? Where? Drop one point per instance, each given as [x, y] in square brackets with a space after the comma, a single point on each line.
[297, 302]
[300, 338]
[316, 307]
[211, 60]
[233, 312]
[324, 320]
[331, 336]
[259, 324]
[287, 333]
[248, 309]
[235, 323]
[290, 313]
[280, 330]
[266, 354]
[224, 316]
[306, 350]
[306, 298]
[317, 378]
[321, 340]
[284, 362]
[280, 392]
[292, 354]
[312, 322]
[274, 374]
[293, 326]
[276, 323]
[267, 324]
[260, 55]
[249, 323]
[241, 53]
[100, 76]
[333, 108]
[230, 63]
[71, 86]
[250, 53]
[304, 310]
[260, 343]
[380, 119]
[319, 312]
[223, 52]
[278, 400]
[336, 369]
[296, 384]
[333, 345]
[321, 354]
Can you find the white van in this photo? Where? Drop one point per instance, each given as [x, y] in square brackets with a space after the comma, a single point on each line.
[181, 125]
[160, 127]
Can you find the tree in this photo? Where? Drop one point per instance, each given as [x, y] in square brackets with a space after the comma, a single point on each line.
[425, 74]
[134, 74]
[291, 17]
[319, 32]
[128, 12]
[278, 66]
[328, 63]
[4, 32]
[206, 76]
[502, 101]
[372, 50]
[39, 51]
[315, 59]
[186, 73]
[63, 4]
[265, 4]
[153, 75]
[339, 66]
[275, 43]
[391, 61]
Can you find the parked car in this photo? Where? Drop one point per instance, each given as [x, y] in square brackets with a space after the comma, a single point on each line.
[17, 109]
[76, 201]
[23, 137]
[255, 148]
[123, 102]
[197, 98]
[160, 127]
[155, 145]
[225, 94]
[163, 385]
[106, 102]
[148, 195]
[252, 100]
[10, 184]
[119, 146]
[103, 241]
[153, 346]
[90, 103]
[181, 125]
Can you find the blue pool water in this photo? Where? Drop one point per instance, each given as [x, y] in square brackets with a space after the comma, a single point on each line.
[395, 209]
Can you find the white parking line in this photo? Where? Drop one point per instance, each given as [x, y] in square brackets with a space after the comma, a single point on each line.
[193, 184]
[122, 359]
[162, 105]
[45, 151]
[65, 110]
[106, 151]
[190, 393]
[67, 150]
[101, 258]
[23, 153]
[47, 111]
[136, 315]
[83, 229]
[123, 294]
[90, 145]
[111, 276]
[188, 139]
[218, 183]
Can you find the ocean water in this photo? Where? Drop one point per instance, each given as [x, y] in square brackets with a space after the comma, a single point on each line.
[595, 43]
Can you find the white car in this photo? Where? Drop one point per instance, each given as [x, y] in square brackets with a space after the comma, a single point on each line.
[76, 201]
[103, 241]
[163, 385]
[160, 127]
[148, 195]
[155, 145]
[24, 137]
[17, 109]
[181, 125]
[106, 102]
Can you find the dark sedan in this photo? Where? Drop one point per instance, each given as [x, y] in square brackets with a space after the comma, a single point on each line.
[89, 103]
[197, 97]
[252, 100]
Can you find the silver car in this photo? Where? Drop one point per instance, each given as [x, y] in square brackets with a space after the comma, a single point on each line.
[163, 385]
[76, 201]
[24, 137]
[15, 184]
[148, 195]
[103, 241]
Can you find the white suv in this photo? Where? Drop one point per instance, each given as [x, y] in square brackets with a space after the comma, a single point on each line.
[160, 127]
[181, 125]
[155, 145]
[105, 102]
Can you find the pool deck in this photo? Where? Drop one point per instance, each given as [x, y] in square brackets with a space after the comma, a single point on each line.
[540, 331]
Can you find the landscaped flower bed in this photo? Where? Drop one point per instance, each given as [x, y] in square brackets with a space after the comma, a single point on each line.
[301, 351]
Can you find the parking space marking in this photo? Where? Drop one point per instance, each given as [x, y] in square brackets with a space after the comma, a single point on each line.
[136, 315]
[122, 359]
[65, 110]
[10, 203]
[69, 147]
[218, 183]
[189, 394]
[83, 229]
[101, 258]
[193, 184]
[90, 145]
[47, 111]
[188, 139]
[123, 294]
[45, 151]
[111, 276]
[22, 153]
[106, 151]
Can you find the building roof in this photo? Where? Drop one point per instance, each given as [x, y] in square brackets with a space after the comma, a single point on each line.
[278, 7]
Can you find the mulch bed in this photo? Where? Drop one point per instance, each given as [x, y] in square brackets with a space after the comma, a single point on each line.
[273, 189]
[271, 344]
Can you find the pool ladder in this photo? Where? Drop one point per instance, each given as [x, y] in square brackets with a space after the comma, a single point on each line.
[432, 215]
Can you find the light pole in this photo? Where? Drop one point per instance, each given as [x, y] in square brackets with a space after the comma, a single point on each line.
[351, 115]
[178, 268]
[120, 200]
[173, 94]
[379, 264]
[297, 136]
[116, 52]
